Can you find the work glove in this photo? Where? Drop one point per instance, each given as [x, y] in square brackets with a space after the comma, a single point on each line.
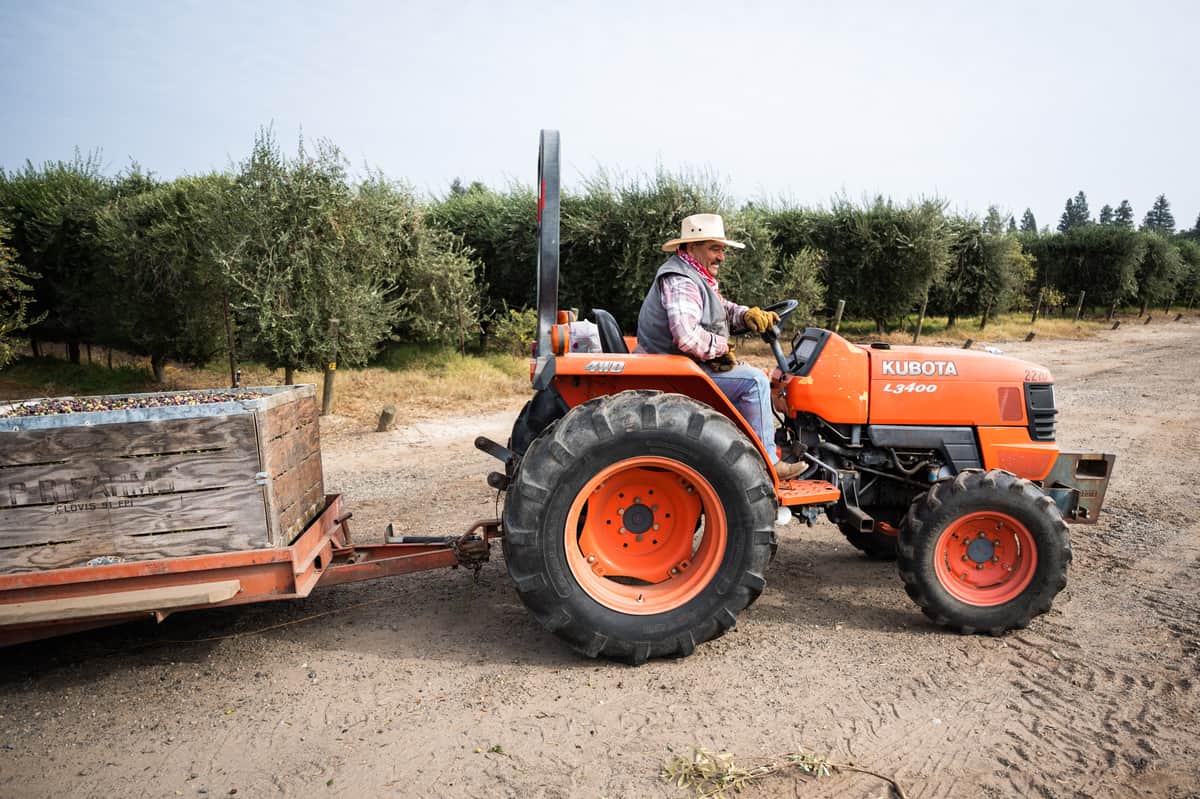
[722, 363]
[758, 320]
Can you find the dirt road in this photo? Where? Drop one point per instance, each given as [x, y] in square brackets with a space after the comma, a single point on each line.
[436, 685]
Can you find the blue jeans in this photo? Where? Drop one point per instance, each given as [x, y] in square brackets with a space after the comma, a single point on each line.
[750, 392]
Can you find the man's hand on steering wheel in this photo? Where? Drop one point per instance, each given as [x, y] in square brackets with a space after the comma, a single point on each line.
[759, 321]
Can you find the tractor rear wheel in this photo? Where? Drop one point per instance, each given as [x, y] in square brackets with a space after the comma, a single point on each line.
[984, 552]
[639, 525]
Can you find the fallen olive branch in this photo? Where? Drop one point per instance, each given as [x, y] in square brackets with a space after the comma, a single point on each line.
[711, 774]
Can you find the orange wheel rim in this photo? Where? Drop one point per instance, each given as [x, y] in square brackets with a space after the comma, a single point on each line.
[985, 558]
[645, 535]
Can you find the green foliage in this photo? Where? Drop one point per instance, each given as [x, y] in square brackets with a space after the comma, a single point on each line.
[1106, 214]
[1099, 259]
[612, 238]
[1028, 223]
[513, 331]
[51, 211]
[1123, 218]
[1159, 218]
[16, 297]
[165, 294]
[1189, 276]
[500, 230]
[1076, 213]
[304, 254]
[987, 272]
[1159, 270]
[881, 258]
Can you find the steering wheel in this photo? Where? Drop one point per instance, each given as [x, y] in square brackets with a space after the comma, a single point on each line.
[784, 308]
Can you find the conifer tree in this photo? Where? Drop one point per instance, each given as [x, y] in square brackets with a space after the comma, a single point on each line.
[1123, 218]
[1159, 218]
[1028, 223]
[1106, 214]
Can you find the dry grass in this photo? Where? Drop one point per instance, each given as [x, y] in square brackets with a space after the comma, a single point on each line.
[716, 774]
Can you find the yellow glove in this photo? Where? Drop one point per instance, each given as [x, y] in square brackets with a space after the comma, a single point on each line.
[723, 363]
[758, 320]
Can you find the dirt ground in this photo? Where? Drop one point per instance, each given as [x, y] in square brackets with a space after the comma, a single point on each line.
[438, 685]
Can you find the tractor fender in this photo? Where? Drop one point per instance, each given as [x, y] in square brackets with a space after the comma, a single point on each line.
[579, 377]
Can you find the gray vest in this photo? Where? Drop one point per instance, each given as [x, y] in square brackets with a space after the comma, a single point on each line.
[653, 330]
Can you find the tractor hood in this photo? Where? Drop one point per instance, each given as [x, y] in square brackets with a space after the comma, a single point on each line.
[945, 386]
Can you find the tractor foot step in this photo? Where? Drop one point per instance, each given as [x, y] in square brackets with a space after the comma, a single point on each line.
[807, 492]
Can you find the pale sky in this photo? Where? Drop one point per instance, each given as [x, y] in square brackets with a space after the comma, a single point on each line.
[1017, 103]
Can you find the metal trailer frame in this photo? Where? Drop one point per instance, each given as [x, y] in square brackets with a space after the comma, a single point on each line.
[42, 604]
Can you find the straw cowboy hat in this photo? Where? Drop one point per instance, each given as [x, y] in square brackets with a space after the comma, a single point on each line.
[701, 227]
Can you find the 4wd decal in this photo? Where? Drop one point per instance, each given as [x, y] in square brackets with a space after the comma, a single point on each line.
[605, 366]
[920, 368]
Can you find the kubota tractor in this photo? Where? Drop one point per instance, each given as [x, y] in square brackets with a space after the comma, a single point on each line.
[640, 509]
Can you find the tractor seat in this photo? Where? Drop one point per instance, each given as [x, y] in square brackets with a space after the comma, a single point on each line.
[611, 339]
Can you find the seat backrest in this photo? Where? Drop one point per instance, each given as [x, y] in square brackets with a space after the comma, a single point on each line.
[611, 339]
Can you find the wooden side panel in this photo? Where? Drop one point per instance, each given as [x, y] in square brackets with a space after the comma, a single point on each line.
[132, 491]
[291, 444]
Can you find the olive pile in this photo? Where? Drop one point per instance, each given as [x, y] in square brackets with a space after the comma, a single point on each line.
[48, 407]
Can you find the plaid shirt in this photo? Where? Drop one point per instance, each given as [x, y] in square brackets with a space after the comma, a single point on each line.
[685, 307]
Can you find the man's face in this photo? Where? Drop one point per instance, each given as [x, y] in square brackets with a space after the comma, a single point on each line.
[710, 254]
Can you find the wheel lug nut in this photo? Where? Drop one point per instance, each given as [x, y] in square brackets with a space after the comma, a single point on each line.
[637, 500]
[996, 543]
[978, 565]
[995, 559]
[591, 558]
[656, 527]
[622, 530]
[964, 557]
[620, 511]
[640, 537]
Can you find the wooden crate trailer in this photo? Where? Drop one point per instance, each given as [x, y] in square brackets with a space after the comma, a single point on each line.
[141, 483]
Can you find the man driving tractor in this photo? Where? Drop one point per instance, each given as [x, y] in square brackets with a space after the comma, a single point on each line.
[685, 314]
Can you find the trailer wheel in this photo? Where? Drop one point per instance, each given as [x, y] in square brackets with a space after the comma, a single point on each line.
[984, 552]
[639, 525]
[875, 545]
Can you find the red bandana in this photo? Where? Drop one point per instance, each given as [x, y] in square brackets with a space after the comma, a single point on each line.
[704, 273]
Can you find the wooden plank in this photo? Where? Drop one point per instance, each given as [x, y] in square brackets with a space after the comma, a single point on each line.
[287, 451]
[297, 517]
[129, 548]
[145, 599]
[109, 478]
[64, 444]
[234, 506]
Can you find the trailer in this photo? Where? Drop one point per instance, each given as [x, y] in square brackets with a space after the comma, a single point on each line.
[42, 604]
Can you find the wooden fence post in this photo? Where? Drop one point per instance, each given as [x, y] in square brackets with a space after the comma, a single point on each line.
[330, 369]
[921, 318]
[837, 317]
[1079, 307]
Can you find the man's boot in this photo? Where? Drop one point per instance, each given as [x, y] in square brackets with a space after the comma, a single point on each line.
[790, 471]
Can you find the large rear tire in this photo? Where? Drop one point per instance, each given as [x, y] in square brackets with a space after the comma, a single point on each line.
[984, 552]
[639, 525]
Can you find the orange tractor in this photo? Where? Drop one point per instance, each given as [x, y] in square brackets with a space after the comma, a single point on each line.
[640, 508]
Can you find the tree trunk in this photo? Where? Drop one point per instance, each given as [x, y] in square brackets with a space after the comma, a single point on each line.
[880, 326]
[1112, 309]
[1142, 312]
[89, 351]
[110, 357]
[158, 363]
[73, 351]
[35, 347]
[983, 320]
[952, 318]
[289, 375]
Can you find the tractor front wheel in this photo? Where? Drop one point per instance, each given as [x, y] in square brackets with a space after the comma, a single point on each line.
[984, 552]
[639, 525]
